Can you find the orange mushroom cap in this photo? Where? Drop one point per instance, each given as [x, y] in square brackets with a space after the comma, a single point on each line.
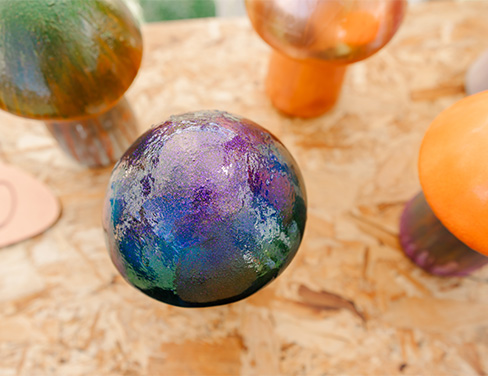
[453, 170]
[359, 28]
[342, 31]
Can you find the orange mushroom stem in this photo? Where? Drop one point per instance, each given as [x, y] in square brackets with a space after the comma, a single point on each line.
[303, 88]
[446, 233]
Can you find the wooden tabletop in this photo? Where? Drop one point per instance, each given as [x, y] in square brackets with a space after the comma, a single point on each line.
[350, 303]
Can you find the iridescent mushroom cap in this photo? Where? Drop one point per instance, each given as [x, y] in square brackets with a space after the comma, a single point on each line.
[204, 209]
[342, 31]
[65, 59]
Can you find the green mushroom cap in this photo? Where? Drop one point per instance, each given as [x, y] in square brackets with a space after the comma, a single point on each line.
[66, 59]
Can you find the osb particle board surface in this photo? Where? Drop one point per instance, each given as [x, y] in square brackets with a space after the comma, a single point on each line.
[349, 304]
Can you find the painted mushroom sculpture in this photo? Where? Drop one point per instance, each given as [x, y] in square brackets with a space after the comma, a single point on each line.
[313, 41]
[69, 63]
[444, 229]
[204, 209]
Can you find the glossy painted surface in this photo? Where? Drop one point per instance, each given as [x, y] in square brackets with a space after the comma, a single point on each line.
[66, 59]
[431, 246]
[335, 30]
[204, 209]
[453, 172]
[100, 140]
[303, 88]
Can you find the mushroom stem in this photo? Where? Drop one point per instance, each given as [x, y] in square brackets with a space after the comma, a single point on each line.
[99, 140]
[431, 246]
[476, 79]
[303, 88]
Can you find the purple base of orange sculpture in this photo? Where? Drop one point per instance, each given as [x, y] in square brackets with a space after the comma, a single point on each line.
[431, 246]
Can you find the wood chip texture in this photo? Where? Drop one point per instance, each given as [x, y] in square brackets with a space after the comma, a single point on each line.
[349, 304]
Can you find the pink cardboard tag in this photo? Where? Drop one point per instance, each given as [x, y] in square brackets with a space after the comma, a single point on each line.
[27, 206]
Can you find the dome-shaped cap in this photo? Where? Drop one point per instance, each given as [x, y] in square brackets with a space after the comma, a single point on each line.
[65, 59]
[341, 31]
[453, 170]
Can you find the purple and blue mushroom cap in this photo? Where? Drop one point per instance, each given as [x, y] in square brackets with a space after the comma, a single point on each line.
[204, 209]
